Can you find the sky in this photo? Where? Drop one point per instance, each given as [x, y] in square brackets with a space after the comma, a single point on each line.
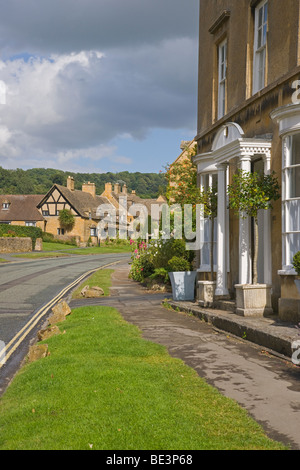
[97, 85]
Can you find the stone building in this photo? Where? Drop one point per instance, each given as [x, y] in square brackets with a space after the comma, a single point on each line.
[249, 119]
[82, 204]
[133, 206]
[19, 209]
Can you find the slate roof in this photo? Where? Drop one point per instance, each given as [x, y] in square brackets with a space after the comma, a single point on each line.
[21, 208]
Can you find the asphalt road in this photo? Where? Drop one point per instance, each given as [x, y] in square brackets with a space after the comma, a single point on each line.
[26, 288]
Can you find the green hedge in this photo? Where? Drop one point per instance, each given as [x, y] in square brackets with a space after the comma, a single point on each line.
[21, 231]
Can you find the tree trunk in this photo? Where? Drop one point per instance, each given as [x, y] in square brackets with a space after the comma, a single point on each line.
[212, 250]
[255, 255]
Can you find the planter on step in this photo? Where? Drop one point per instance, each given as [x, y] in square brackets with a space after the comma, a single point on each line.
[183, 284]
[206, 292]
[253, 300]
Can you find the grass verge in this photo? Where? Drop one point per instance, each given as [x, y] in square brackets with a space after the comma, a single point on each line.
[101, 278]
[104, 387]
[56, 250]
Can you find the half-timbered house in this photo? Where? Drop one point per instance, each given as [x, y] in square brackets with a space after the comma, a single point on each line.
[83, 204]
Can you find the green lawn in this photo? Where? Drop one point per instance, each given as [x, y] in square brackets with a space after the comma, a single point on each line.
[104, 387]
[112, 248]
[53, 250]
[101, 278]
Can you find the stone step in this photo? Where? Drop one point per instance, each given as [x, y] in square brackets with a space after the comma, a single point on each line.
[227, 305]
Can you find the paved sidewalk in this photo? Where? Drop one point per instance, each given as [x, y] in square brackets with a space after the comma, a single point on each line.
[266, 385]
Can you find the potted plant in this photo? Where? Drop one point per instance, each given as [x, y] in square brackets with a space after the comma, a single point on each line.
[249, 193]
[182, 278]
[296, 265]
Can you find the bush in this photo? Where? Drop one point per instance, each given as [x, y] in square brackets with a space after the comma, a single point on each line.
[176, 264]
[47, 237]
[296, 263]
[161, 251]
[160, 275]
[66, 219]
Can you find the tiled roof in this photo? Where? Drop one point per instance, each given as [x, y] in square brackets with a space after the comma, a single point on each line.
[81, 201]
[21, 208]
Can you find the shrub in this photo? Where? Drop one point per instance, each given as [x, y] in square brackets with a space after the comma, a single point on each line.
[296, 263]
[160, 275]
[141, 266]
[176, 264]
[161, 251]
[47, 237]
[66, 219]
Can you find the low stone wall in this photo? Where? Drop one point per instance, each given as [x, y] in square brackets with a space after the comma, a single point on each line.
[15, 244]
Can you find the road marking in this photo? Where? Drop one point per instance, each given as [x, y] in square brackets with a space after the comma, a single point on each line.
[6, 351]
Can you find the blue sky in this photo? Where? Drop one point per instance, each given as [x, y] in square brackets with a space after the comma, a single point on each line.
[97, 85]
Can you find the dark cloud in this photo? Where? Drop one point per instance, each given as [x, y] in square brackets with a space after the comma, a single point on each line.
[94, 70]
[44, 26]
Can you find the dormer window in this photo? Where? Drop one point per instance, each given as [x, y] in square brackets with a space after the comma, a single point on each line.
[5, 205]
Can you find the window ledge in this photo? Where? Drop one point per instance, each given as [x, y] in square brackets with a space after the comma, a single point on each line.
[287, 272]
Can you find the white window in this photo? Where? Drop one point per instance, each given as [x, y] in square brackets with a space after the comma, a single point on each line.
[5, 205]
[30, 224]
[260, 46]
[208, 180]
[93, 232]
[291, 199]
[222, 75]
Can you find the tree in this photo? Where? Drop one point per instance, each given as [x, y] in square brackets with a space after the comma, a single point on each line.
[182, 190]
[182, 181]
[249, 193]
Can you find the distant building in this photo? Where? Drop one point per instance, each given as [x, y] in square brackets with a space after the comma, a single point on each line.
[21, 210]
[118, 195]
[249, 119]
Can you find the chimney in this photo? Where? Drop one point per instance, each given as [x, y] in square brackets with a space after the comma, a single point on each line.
[108, 188]
[133, 191]
[89, 188]
[124, 189]
[70, 183]
[117, 188]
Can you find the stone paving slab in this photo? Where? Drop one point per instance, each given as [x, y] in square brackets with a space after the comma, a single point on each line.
[267, 332]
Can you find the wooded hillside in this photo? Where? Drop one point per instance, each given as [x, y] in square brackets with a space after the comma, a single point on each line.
[40, 180]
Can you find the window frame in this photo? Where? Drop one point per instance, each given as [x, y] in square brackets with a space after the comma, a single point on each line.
[222, 78]
[260, 50]
[287, 203]
[206, 267]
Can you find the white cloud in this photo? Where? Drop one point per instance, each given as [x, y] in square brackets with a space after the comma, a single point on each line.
[93, 71]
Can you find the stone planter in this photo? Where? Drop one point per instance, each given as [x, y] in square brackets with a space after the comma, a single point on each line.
[183, 285]
[206, 292]
[253, 300]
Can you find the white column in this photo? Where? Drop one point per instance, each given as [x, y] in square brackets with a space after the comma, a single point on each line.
[221, 286]
[245, 266]
[267, 231]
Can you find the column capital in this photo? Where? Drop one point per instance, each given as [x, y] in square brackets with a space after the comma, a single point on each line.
[222, 166]
[245, 158]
